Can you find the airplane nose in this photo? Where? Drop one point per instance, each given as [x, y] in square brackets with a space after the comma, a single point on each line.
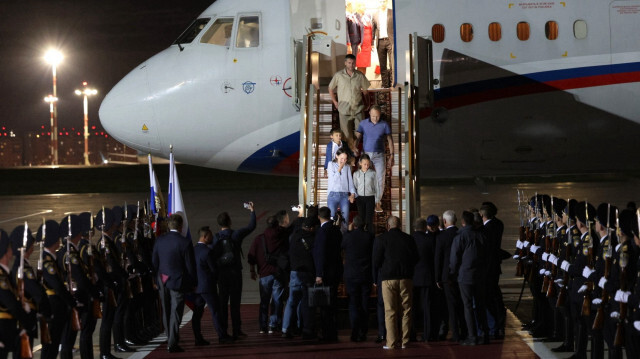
[126, 113]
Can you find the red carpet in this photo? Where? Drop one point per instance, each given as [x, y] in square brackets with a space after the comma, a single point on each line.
[273, 346]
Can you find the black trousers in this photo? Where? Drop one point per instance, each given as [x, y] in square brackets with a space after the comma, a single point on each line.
[9, 337]
[328, 320]
[212, 300]
[422, 314]
[108, 314]
[359, 292]
[385, 52]
[457, 323]
[230, 287]
[495, 304]
[382, 328]
[56, 326]
[473, 294]
[366, 207]
[118, 318]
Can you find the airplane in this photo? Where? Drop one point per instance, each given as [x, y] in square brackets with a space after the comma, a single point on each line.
[520, 87]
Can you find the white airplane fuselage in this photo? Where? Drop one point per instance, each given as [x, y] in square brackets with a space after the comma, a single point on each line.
[505, 107]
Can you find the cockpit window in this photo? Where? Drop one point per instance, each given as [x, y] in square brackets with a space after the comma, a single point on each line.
[219, 33]
[248, 32]
[192, 31]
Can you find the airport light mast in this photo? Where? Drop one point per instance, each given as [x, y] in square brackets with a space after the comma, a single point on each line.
[53, 58]
[86, 92]
[51, 100]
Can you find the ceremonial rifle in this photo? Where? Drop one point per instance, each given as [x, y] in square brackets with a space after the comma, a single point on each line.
[586, 303]
[25, 347]
[136, 249]
[111, 298]
[125, 263]
[71, 285]
[45, 335]
[97, 312]
[598, 322]
[562, 296]
[624, 261]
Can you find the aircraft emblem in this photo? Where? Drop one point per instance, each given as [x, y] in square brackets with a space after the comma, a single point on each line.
[275, 80]
[248, 87]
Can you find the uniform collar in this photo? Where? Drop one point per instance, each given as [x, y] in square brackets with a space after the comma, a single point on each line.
[5, 268]
[51, 253]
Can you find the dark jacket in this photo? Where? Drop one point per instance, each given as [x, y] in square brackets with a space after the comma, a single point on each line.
[424, 275]
[173, 257]
[237, 236]
[300, 251]
[33, 290]
[327, 254]
[276, 244]
[468, 256]
[493, 233]
[358, 247]
[443, 254]
[396, 255]
[205, 269]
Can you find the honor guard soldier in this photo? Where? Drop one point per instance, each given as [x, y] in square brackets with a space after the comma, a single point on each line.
[15, 318]
[78, 279]
[111, 278]
[59, 297]
[623, 279]
[34, 294]
[581, 306]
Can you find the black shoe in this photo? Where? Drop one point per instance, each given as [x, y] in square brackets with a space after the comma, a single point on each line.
[551, 340]
[380, 339]
[287, 335]
[176, 349]
[202, 342]
[239, 335]
[469, 341]
[123, 348]
[362, 338]
[308, 336]
[225, 340]
[486, 340]
[499, 335]
[354, 338]
[108, 356]
[562, 349]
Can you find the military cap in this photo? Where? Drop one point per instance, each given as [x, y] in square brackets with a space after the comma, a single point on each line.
[118, 213]
[85, 221]
[628, 222]
[581, 212]
[571, 209]
[108, 218]
[559, 206]
[601, 215]
[4, 242]
[131, 212]
[76, 226]
[545, 199]
[51, 235]
[17, 238]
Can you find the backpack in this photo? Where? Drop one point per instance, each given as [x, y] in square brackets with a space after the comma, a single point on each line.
[227, 256]
[280, 260]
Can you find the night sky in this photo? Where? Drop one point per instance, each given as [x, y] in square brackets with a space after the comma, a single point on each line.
[101, 41]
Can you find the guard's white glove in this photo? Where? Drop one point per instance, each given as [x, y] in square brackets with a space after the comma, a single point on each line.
[534, 248]
[26, 307]
[565, 266]
[1, 345]
[516, 257]
[636, 324]
[560, 282]
[542, 271]
[547, 273]
[519, 244]
[602, 282]
[560, 285]
[597, 301]
[526, 244]
[545, 256]
[615, 315]
[582, 289]
[586, 272]
[622, 297]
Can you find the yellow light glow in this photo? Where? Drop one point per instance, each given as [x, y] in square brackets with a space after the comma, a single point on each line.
[53, 57]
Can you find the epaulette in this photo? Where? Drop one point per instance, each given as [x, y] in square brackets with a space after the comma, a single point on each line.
[51, 267]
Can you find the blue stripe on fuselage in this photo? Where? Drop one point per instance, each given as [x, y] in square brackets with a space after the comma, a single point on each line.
[266, 159]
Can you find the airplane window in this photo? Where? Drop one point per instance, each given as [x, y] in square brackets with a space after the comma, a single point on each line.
[580, 29]
[248, 32]
[551, 30]
[466, 32]
[437, 33]
[219, 33]
[192, 31]
[495, 31]
[523, 31]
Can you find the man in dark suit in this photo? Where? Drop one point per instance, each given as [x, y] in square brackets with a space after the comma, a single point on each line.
[493, 229]
[425, 232]
[174, 263]
[468, 262]
[207, 289]
[358, 246]
[383, 35]
[446, 282]
[328, 262]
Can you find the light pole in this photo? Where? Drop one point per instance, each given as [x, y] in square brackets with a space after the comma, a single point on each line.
[51, 100]
[53, 58]
[86, 92]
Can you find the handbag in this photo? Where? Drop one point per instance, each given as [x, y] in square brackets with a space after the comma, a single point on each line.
[319, 296]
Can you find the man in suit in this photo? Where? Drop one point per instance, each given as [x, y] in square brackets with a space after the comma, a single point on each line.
[425, 232]
[468, 262]
[383, 35]
[358, 246]
[207, 289]
[174, 263]
[327, 258]
[493, 229]
[396, 256]
[447, 282]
